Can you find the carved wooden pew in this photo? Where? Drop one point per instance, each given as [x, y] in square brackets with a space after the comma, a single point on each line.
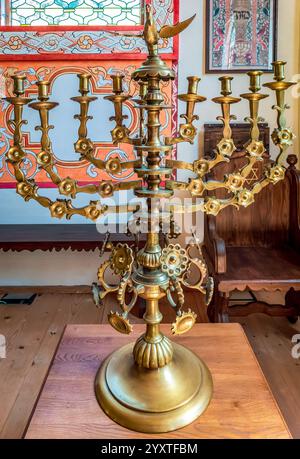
[257, 248]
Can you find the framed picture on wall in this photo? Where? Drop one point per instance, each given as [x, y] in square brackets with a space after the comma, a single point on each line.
[241, 35]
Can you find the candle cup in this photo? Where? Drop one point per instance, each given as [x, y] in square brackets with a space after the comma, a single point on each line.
[19, 87]
[117, 83]
[193, 84]
[226, 85]
[255, 83]
[278, 67]
[43, 90]
[84, 83]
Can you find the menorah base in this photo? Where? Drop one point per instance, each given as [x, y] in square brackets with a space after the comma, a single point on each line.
[153, 401]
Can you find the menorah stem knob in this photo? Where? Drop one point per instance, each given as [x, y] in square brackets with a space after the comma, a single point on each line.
[226, 85]
[278, 67]
[19, 86]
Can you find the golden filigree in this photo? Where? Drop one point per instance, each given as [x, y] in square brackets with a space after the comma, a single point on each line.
[199, 263]
[284, 137]
[201, 167]
[67, 187]
[175, 286]
[275, 174]
[127, 286]
[15, 154]
[212, 206]
[234, 182]
[105, 288]
[121, 259]
[44, 158]
[226, 147]
[106, 189]
[113, 166]
[245, 198]
[174, 260]
[256, 149]
[93, 211]
[196, 187]
[26, 190]
[58, 209]
[84, 147]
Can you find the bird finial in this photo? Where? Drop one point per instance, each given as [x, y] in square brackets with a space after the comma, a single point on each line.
[150, 33]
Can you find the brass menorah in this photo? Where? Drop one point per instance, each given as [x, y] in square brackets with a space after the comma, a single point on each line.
[154, 385]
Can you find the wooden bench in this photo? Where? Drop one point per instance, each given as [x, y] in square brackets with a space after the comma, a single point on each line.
[257, 248]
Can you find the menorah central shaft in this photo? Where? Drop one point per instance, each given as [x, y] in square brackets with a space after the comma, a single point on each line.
[145, 386]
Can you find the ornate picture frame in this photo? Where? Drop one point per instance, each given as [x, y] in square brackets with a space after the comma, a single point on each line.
[241, 35]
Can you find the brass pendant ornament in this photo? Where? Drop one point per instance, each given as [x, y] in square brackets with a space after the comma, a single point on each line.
[120, 322]
[121, 259]
[184, 322]
[144, 386]
[174, 261]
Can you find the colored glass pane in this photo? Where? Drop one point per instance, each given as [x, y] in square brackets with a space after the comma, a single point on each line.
[75, 12]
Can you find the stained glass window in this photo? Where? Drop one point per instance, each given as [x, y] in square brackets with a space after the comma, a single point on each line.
[72, 12]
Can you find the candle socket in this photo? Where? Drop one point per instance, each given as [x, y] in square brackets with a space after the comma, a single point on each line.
[19, 84]
[278, 67]
[255, 83]
[226, 85]
[193, 84]
[117, 84]
[43, 90]
[84, 83]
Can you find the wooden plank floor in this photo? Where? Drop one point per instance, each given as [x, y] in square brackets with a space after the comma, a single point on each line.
[33, 333]
[271, 340]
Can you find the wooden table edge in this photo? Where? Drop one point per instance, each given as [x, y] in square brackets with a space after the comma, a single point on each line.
[267, 384]
[68, 327]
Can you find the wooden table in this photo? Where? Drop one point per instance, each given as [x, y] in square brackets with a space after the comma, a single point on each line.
[242, 406]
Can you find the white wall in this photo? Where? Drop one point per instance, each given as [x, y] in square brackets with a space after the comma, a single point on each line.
[71, 268]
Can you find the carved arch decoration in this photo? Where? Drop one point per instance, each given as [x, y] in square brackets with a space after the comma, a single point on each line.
[52, 53]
